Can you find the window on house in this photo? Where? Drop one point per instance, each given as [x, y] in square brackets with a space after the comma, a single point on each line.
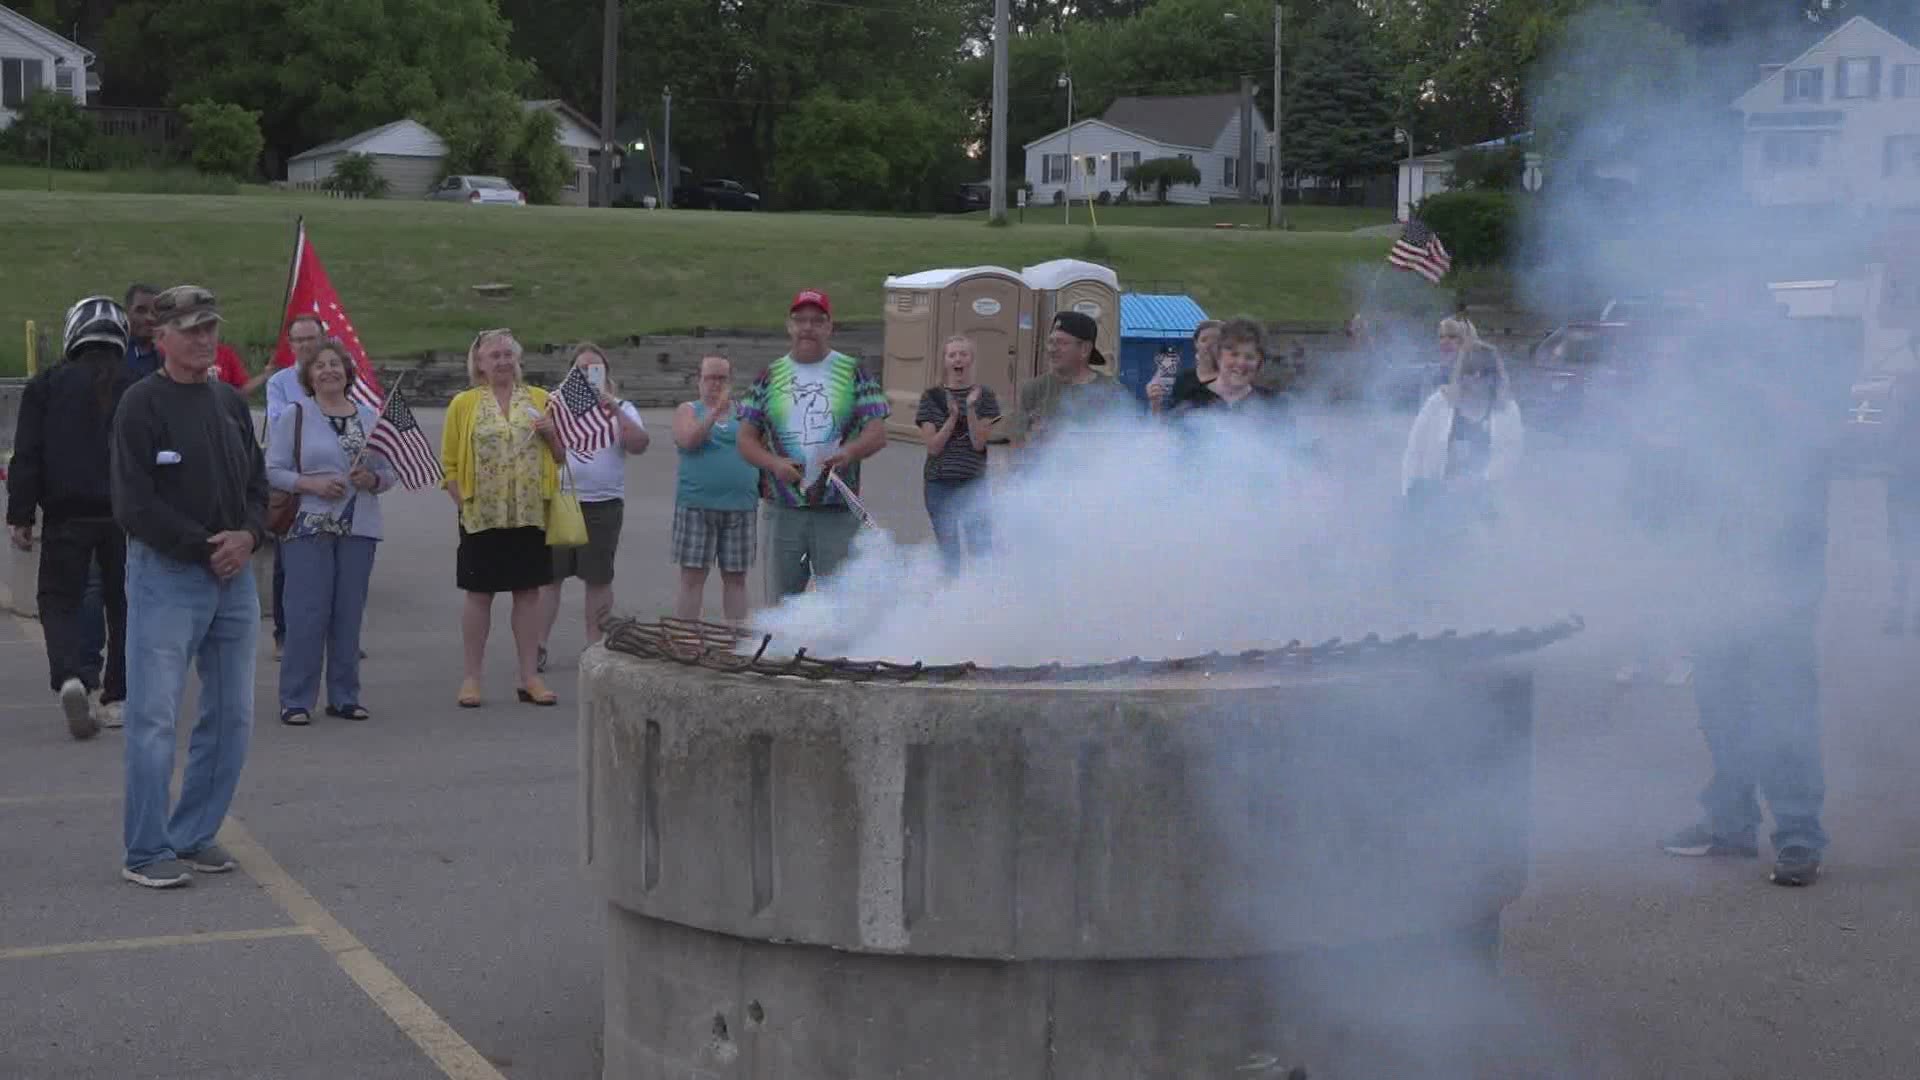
[1906, 80]
[18, 80]
[1787, 151]
[1122, 162]
[1903, 156]
[63, 79]
[1053, 168]
[1857, 77]
[1806, 85]
[1229, 172]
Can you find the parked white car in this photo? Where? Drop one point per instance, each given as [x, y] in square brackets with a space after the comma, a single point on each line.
[478, 190]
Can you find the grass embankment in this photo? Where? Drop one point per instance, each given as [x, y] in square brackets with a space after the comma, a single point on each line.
[406, 268]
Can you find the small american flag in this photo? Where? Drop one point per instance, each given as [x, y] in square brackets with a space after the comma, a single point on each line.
[584, 427]
[397, 436]
[1419, 249]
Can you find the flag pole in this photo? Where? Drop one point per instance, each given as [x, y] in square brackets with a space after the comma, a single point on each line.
[388, 396]
[293, 275]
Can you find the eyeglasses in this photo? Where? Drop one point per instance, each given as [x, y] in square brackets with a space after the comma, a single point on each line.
[495, 332]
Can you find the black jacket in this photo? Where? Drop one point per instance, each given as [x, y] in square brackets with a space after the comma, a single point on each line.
[62, 444]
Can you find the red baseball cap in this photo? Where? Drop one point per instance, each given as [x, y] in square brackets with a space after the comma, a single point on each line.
[811, 298]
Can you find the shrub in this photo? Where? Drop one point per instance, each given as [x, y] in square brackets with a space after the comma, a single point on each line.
[1161, 174]
[1060, 197]
[1125, 197]
[1500, 169]
[1476, 226]
[1105, 198]
[76, 142]
[226, 139]
[354, 174]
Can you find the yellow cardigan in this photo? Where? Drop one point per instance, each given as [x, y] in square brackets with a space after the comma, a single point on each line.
[456, 440]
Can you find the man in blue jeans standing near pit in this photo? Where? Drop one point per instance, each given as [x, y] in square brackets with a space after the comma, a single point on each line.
[190, 489]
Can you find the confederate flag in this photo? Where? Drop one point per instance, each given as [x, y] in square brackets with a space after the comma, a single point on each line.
[310, 293]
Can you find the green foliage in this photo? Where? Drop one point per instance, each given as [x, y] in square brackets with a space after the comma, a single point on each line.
[1498, 169]
[1160, 174]
[1339, 121]
[76, 142]
[494, 135]
[314, 69]
[354, 174]
[893, 151]
[1608, 64]
[1478, 227]
[226, 139]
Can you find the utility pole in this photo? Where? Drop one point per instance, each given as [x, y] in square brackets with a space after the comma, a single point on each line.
[997, 208]
[1245, 164]
[666, 153]
[1073, 167]
[1275, 183]
[609, 66]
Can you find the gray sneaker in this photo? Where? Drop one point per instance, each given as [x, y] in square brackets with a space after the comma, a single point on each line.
[164, 874]
[212, 859]
[109, 714]
[79, 709]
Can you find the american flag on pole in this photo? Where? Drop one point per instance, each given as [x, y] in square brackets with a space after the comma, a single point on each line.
[584, 427]
[1419, 249]
[312, 293]
[397, 437]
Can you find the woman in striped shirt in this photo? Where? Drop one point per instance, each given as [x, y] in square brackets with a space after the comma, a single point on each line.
[956, 418]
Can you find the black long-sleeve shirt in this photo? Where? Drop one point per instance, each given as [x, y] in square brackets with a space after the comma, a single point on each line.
[186, 465]
[60, 450]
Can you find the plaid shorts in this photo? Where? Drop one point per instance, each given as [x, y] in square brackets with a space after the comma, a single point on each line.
[700, 534]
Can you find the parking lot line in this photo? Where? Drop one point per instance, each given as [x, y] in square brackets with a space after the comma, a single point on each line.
[409, 1012]
[167, 941]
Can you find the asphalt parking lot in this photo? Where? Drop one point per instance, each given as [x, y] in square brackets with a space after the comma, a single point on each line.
[409, 902]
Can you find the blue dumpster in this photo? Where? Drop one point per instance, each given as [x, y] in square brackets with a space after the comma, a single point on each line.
[1149, 325]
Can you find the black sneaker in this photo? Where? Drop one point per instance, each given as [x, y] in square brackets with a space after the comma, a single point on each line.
[164, 874]
[1698, 841]
[1796, 866]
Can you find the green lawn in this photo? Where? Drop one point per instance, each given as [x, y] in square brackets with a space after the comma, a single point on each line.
[1299, 218]
[405, 269]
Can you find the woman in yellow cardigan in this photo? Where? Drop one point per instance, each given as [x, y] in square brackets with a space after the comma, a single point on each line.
[499, 449]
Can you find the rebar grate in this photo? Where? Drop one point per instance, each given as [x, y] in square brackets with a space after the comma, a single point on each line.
[718, 648]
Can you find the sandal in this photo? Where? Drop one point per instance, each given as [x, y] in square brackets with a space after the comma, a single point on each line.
[469, 695]
[538, 694]
[295, 717]
[349, 712]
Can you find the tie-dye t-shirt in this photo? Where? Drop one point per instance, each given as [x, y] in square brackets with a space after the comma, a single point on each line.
[807, 412]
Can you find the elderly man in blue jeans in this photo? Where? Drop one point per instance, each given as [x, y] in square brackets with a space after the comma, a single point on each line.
[190, 489]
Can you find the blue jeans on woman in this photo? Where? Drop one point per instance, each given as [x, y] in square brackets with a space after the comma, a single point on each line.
[326, 600]
[960, 520]
[1758, 694]
[180, 614]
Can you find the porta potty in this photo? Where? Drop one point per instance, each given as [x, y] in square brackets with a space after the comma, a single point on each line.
[1150, 325]
[990, 304]
[1073, 285]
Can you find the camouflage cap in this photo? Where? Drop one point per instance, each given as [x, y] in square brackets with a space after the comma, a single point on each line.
[186, 306]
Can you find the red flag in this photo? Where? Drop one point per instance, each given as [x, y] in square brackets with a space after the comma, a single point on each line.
[313, 294]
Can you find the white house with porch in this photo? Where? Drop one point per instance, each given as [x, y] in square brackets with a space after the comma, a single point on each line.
[34, 58]
[1093, 155]
[1839, 125]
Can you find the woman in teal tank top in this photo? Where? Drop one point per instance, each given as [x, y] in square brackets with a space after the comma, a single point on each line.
[716, 497]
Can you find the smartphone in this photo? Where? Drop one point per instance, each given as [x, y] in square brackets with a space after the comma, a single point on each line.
[597, 377]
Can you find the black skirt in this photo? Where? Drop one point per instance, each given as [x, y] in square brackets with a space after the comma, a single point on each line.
[503, 560]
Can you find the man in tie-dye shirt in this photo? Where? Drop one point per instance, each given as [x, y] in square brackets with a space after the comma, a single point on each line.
[812, 412]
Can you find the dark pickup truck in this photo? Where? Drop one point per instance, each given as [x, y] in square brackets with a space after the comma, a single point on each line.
[715, 195]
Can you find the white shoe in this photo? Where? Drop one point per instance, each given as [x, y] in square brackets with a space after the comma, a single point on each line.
[74, 701]
[108, 715]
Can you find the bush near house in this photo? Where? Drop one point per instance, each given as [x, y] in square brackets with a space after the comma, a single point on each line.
[1477, 226]
[490, 134]
[354, 174]
[76, 142]
[226, 139]
[1160, 174]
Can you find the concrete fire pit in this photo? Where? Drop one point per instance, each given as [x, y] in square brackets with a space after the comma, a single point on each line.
[1112, 874]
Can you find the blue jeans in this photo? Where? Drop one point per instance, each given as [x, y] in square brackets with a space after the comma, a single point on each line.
[1758, 692]
[960, 519]
[326, 590]
[177, 614]
[279, 593]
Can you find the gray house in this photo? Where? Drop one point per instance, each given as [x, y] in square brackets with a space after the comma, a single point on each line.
[405, 152]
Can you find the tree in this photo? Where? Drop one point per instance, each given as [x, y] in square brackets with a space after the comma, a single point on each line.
[893, 151]
[1161, 174]
[314, 69]
[354, 174]
[1613, 79]
[226, 139]
[76, 142]
[494, 135]
[1339, 117]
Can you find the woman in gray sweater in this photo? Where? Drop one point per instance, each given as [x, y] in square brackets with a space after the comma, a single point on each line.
[318, 450]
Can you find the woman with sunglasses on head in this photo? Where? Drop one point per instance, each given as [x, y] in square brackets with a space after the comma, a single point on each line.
[499, 450]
